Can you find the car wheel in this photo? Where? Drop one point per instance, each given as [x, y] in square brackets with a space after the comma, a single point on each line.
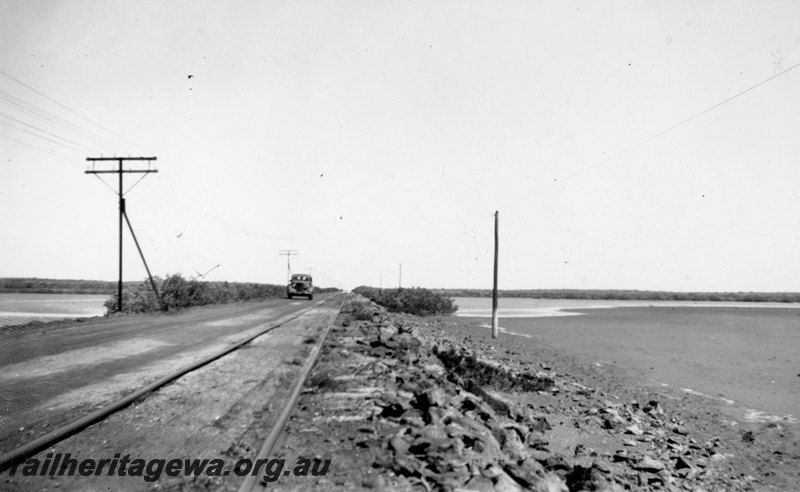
[310, 297]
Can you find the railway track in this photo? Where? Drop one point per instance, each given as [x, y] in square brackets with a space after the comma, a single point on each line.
[35, 446]
[253, 482]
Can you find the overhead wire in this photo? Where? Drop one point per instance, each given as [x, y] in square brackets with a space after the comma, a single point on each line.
[680, 123]
[25, 130]
[48, 152]
[53, 119]
[42, 130]
[98, 125]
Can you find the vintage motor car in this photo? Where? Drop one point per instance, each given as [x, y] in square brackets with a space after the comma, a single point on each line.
[300, 285]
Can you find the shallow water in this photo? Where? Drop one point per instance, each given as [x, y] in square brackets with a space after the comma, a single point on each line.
[741, 354]
[22, 308]
[515, 307]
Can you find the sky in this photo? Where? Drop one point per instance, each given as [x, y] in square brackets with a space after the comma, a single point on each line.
[618, 141]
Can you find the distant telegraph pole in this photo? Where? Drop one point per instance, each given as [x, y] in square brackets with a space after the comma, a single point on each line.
[288, 253]
[495, 328]
[122, 214]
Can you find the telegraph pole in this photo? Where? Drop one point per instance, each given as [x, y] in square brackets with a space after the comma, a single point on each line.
[288, 253]
[495, 329]
[120, 171]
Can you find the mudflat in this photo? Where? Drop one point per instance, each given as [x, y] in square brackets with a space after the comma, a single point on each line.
[744, 357]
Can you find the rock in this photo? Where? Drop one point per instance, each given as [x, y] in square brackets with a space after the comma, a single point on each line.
[612, 423]
[653, 408]
[550, 482]
[679, 429]
[675, 447]
[398, 444]
[392, 411]
[432, 397]
[426, 445]
[454, 430]
[586, 478]
[434, 432]
[504, 483]
[602, 467]
[491, 471]
[556, 462]
[648, 464]
[374, 482]
[386, 332]
[612, 419]
[483, 443]
[407, 327]
[717, 457]
[592, 420]
[451, 480]
[621, 456]
[537, 441]
[539, 424]
[527, 475]
[531, 465]
[407, 466]
[412, 418]
[479, 483]
[434, 370]
[512, 445]
[499, 404]
[634, 429]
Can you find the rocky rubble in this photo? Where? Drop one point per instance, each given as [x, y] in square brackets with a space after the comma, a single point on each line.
[444, 416]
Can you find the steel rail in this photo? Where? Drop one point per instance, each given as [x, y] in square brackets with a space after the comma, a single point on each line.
[21, 453]
[251, 482]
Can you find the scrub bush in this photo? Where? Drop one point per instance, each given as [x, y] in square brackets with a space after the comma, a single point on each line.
[178, 292]
[417, 301]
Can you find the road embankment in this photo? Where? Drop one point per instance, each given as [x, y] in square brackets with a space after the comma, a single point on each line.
[403, 402]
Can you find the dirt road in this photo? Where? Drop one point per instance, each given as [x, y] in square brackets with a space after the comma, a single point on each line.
[54, 373]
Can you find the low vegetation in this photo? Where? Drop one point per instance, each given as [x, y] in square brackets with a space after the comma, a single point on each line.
[630, 295]
[417, 301]
[359, 309]
[323, 290]
[178, 292]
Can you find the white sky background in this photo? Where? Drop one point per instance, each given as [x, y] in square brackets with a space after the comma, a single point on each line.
[366, 134]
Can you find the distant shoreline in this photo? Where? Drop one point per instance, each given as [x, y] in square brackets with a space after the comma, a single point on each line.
[57, 286]
[628, 295]
[104, 287]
